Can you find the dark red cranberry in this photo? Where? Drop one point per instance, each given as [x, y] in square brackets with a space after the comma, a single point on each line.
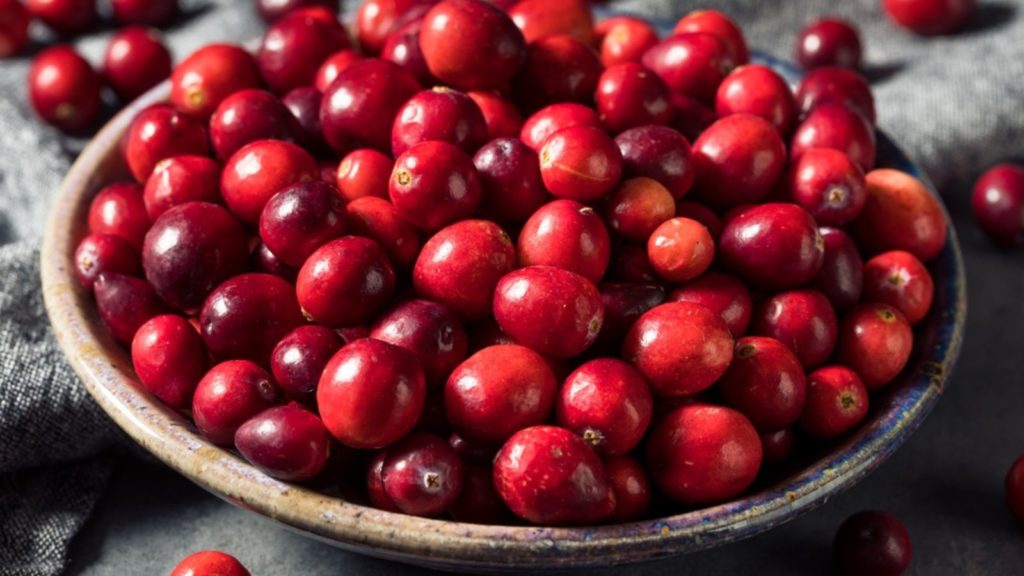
[998, 203]
[300, 357]
[724, 295]
[160, 132]
[629, 95]
[334, 65]
[64, 89]
[510, 175]
[200, 82]
[554, 118]
[301, 218]
[14, 23]
[567, 235]
[246, 316]
[304, 104]
[548, 475]
[210, 562]
[273, 10]
[631, 485]
[169, 358]
[700, 213]
[637, 207]
[624, 39]
[930, 17]
[692, 117]
[828, 185]
[758, 90]
[681, 348]
[607, 402]
[422, 475]
[439, 114]
[247, 116]
[259, 170]
[660, 153]
[766, 383]
[361, 104]
[125, 303]
[738, 160]
[1014, 486]
[263, 260]
[623, 304]
[558, 69]
[580, 163]
[835, 126]
[899, 279]
[875, 341]
[778, 446]
[630, 264]
[434, 184]
[377, 219]
[403, 48]
[828, 42]
[540, 18]
[900, 214]
[135, 61]
[375, 484]
[479, 502]
[832, 85]
[65, 17]
[364, 172]
[428, 330]
[181, 179]
[119, 210]
[295, 46]
[803, 320]
[228, 395]
[145, 12]
[872, 543]
[721, 26]
[836, 402]
[773, 246]
[470, 452]
[501, 115]
[287, 442]
[377, 19]
[702, 454]
[345, 282]
[680, 249]
[841, 277]
[98, 253]
[691, 64]
[190, 250]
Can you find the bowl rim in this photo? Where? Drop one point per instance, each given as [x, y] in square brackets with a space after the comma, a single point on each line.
[105, 370]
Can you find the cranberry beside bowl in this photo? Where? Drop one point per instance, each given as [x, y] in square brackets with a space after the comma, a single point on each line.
[106, 370]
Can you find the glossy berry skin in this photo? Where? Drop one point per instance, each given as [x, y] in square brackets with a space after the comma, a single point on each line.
[299, 358]
[772, 246]
[872, 542]
[540, 18]
[803, 320]
[98, 253]
[498, 391]
[875, 341]
[259, 170]
[228, 395]
[607, 402]
[377, 219]
[364, 172]
[833, 85]
[899, 279]
[554, 311]
[345, 282]
[434, 184]
[700, 454]
[624, 39]
[428, 330]
[422, 475]
[294, 47]
[719, 25]
[125, 303]
[145, 12]
[624, 302]
[550, 119]
[287, 442]
[1014, 487]
[13, 28]
[500, 114]
[190, 250]
[64, 90]
[841, 278]
[160, 132]
[379, 498]
[202, 81]
[760, 91]
[210, 563]
[333, 65]
[631, 485]
[658, 152]
[681, 348]
[580, 163]
[930, 17]
[510, 177]
[548, 475]
[680, 249]
[567, 235]
[829, 185]
[65, 17]
[135, 60]
[836, 402]
[169, 358]
[304, 104]
[637, 207]
[439, 114]
[376, 20]
[738, 160]
[900, 214]
[766, 383]
[828, 42]
[724, 295]
[247, 116]
[692, 64]
[629, 95]
[997, 202]
[479, 503]
[461, 265]
[301, 218]
[834, 126]
[180, 179]
[403, 48]
[558, 68]
[471, 45]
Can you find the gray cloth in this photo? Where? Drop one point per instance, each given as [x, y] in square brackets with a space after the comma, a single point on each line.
[955, 103]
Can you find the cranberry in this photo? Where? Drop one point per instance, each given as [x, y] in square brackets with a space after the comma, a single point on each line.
[766, 383]
[301, 218]
[501, 115]
[64, 89]
[361, 104]
[228, 395]
[263, 260]
[375, 484]
[567, 235]
[899, 279]
[836, 402]
[510, 176]
[434, 184]
[145, 12]
[660, 153]
[900, 214]
[558, 69]
[259, 170]
[364, 172]
[607, 402]
[691, 64]
[777, 447]
[872, 543]
[428, 330]
[119, 210]
[548, 475]
[637, 207]
[624, 39]
[160, 132]
[580, 163]
[371, 394]
[930, 17]
[470, 452]
[828, 42]
[803, 320]
[630, 264]
[681, 348]
[832, 85]
[554, 118]
[623, 304]
[287, 442]
[125, 303]
[540, 18]
[828, 185]
[875, 341]
[200, 82]
[631, 485]
[190, 250]
[345, 282]
[738, 159]
[66, 17]
[422, 475]
[135, 60]
[702, 214]
[461, 265]
[758, 90]
[98, 253]
[334, 65]
[692, 117]
[471, 45]
[208, 563]
[629, 95]
[442, 115]
[835, 126]
[998, 203]
[1014, 486]
[246, 316]
[377, 19]
[721, 26]
[300, 357]
[14, 24]
[479, 502]
[724, 295]
[403, 48]
[702, 454]
[680, 249]
[169, 358]
[181, 179]
[377, 219]
[295, 46]
[247, 116]
[773, 246]
[841, 277]
[273, 10]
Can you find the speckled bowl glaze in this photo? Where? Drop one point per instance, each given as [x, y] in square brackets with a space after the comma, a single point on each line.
[106, 370]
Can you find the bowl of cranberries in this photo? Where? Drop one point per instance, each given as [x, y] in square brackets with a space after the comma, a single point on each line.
[503, 288]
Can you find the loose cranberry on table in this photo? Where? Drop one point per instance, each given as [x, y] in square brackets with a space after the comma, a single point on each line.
[98, 253]
[364, 172]
[637, 207]
[170, 359]
[202, 81]
[210, 563]
[64, 89]
[247, 315]
[758, 90]
[580, 163]
[554, 118]
[680, 249]
[738, 160]
[181, 179]
[14, 22]
[828, 42]
[540, 18]
[835, 126]
[377, 219]
[1014, 487]
[766, 383]
[247, 116]
[828, 185]
[997, 201]
[836, 402]
[439, 114]
[160, 132]
[772, 246]
[144, 12]
[803, 320]
[119, 209]
[434, 184]
[899, 279]
[692, 64]
[258, 170]
[872, 543]
[65, 17]
[295, 46]
[510, 176]
[724, 295]
[135, 60]
[502, 117]
[834, 85]
[841, 278]
[273, 10]
[608, 403]
[930, 17]
[301, 218]
[629, 95]
[557, 69]
[334, 65]
[658, 152]
[567, 235]
[345, 282]
[377, 19]
[624, 39]
[430, 331]
[875, 341]
[228, 395]
[422, 475]
[125, 303]
[719, 25]
[900, 214]
[299, 358]
[287, 442]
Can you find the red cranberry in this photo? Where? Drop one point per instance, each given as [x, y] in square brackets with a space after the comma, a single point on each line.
[836, 402]
[200, 82]
[998, 203]
[125, 303]
[64, 89]
[145, 12]
[428, 330]
[875, 341]
[554, 118]
[702, 214]
[738, 160]
[554, 311]
[548, 475]
[228, 395]
[98, 253]
[680, 347]
[580, 163]
[364, 172]
[803, 320]
[295, 46]
[777, 446]
[66, 17]
[724, 295]
[758, 90]
[900, 214]
[624, 39]
[631, 485]
[834, 126]
[1014, 486]
[872, 543]
[510, 176]
[371, 394]
[263, 260]
[247, 116]
[259, 170]
[558, 69]
[540, 18]
[210, 562]
[119, 210]
[607, 402]
[403, 48]
[301, 218]
[773, 246]
[334, 65]
[273, 10]
[422, 475]
[300, 357]
[375, 484]
[14, 22]
[181, 179]
[623, 304]
[479, 502]
[135, 61]
[160, 132]
[497, 391]
[930, 17]
[637, 207]
[691, 64]
[899, 279]
[345, 282]
[692, 117]
[828, 42]
[702, 454]
[286, 442]
[361, 104]
[442, 115]
[434, 184]
[460, 266]
[629, 95]
[567, 235]
[721, 26]
[246, 316]
[841, 277]
[501, 116]
[660, 153]
[377, 219]
[377, 19]
[828, 185]
[680, 249]
[169, 358]
[190, 250]
[766, 383]
[832, 85]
